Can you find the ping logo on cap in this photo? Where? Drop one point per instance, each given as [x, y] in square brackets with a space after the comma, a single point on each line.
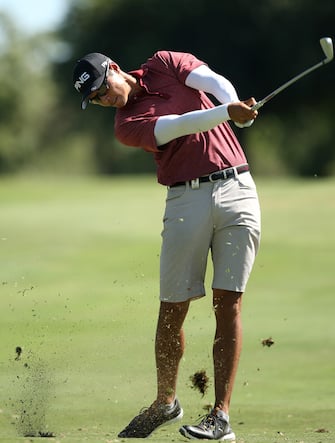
[89, 74]
[81, 81]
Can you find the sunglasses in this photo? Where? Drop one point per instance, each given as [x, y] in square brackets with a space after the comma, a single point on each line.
[96, 100]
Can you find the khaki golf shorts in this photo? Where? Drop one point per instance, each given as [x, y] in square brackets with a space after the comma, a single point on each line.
[222, 217]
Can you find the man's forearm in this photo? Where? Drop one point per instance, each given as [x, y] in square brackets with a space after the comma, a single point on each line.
[170, 127]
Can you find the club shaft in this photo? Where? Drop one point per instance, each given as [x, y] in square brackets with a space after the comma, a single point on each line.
[287, 84]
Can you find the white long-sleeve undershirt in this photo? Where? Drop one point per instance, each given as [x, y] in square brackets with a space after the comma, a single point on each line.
[172, 126]
[204, 79]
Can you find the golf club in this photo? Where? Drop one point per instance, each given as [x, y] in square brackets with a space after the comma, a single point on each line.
[327, 47]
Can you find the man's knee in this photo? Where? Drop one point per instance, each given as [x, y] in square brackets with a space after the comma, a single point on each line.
[173, 314]
[227, 302]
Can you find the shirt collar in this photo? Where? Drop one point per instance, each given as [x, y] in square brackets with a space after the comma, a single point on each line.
[140, 75]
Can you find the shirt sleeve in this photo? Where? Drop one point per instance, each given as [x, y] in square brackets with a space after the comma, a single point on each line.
[180, 63]
[137, 131]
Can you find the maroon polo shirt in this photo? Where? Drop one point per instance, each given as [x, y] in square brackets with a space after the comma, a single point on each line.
[185, 158]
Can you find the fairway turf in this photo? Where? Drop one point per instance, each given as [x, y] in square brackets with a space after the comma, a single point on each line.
[79, 283]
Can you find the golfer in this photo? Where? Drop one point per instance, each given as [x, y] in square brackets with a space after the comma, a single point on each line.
[211, 206]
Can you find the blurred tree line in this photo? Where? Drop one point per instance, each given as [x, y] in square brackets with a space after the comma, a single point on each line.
[258, 46]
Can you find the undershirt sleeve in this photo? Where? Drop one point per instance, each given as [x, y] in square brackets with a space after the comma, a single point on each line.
[202, 78]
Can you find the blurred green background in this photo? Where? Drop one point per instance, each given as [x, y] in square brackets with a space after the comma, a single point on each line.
[258, 46]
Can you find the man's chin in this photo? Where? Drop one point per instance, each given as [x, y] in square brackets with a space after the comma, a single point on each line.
[120, 102]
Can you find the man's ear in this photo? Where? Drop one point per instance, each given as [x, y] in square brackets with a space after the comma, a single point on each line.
[114, 67]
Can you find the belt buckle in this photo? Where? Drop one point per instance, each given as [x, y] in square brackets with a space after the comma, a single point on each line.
[211, 179]
[230, 172]
[222, 175]
[195, 183]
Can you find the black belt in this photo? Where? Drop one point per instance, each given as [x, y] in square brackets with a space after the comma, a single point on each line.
[215, 176]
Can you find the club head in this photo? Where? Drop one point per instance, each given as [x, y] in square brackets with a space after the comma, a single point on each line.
[327, 47]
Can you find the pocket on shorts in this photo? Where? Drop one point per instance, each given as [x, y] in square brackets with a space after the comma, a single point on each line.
[176, 192]
[246, 181]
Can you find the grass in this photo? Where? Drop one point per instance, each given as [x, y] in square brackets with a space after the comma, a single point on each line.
[79, 282]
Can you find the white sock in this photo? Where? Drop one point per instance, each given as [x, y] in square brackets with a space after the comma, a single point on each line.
[170, 406]
[222, 414]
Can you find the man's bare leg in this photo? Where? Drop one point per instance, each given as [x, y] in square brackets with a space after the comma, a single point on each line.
[227, 344]
[169, 348]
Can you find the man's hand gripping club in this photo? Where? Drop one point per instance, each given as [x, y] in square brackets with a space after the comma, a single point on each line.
[241, 113]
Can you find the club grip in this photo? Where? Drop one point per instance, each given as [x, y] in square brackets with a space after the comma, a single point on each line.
[257, 105]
